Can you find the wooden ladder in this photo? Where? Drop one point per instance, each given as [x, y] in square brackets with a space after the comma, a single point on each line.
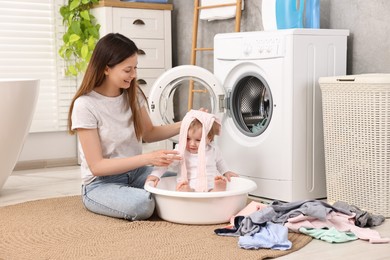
[195, 48]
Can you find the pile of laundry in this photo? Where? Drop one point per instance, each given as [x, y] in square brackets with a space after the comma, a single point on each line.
[266, 226]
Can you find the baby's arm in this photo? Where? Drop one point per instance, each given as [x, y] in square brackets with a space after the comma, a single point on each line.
[222, 167]
[156, 174]
[230, 174]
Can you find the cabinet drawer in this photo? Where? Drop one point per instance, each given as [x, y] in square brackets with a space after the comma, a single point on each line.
[153, 53]
[135, 23]
[147, 77]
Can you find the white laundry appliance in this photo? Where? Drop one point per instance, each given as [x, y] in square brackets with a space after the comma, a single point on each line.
[265, 89]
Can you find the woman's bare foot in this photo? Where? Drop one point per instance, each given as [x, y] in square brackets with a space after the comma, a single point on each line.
[184, 186]
[219, 183]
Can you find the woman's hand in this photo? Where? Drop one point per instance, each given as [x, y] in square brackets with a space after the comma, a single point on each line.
[228, 175]
[163, 157]
[153, 179]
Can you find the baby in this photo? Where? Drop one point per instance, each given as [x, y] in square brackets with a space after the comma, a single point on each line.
[202, 167]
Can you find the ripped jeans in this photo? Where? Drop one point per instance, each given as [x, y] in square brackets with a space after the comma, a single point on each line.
[120, 196]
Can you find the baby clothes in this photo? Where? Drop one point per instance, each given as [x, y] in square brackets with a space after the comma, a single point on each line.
[273, 236]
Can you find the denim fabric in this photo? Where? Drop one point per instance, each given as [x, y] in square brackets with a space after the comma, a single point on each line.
[120, 196]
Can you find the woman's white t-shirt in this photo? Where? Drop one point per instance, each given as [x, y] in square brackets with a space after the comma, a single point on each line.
[112, 117]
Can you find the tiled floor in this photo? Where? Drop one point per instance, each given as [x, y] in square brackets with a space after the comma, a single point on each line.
[55, 182]
[40, 183]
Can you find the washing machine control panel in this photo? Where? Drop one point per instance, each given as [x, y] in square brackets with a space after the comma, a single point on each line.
[263, 48]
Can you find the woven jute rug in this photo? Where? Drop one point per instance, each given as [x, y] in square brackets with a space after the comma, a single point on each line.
[61, 228]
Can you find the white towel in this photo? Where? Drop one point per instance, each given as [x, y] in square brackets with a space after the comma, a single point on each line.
[219, 13]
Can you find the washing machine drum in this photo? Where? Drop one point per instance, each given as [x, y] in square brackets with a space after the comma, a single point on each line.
[251, 105]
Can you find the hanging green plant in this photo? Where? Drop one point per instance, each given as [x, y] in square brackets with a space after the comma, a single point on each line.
[81, 35]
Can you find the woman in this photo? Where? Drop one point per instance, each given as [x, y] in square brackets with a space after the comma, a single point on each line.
[109, 113]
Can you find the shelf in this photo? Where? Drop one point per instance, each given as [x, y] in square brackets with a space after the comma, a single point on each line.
[136, 5]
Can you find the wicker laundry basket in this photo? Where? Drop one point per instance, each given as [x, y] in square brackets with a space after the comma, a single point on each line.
[356, 121]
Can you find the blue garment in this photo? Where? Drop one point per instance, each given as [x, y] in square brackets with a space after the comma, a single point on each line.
[273, 236]
[120, 196]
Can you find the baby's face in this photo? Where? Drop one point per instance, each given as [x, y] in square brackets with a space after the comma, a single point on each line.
[193, 139]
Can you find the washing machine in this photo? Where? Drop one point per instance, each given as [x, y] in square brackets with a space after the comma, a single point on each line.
[265, 89]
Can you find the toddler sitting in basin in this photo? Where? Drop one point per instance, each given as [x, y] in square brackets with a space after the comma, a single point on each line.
[202, 167]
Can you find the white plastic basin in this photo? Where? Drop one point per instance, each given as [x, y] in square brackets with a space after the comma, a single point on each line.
[200, 207]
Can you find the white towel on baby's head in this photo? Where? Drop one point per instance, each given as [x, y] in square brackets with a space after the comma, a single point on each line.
[218, 13]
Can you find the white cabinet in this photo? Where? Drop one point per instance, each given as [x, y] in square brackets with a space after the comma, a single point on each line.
[149, 26]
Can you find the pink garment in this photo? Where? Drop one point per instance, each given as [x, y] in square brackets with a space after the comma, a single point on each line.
[339, 221]
[253, 206]
[207, 121]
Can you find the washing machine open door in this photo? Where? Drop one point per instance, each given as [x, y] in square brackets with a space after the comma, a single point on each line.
[170, 99]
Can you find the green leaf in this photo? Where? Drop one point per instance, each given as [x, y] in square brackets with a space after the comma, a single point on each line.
[85, 15]
[84, 51]
[94, 32]
[75, 27]
[72, 70]
[70, 18]
[61, 51]
[68, 54]
[64, 11]
[65, 38]
[91, 42]
[74, 4]
[74, 38]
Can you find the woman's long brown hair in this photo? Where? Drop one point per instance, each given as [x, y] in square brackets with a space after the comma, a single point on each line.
[110, 50]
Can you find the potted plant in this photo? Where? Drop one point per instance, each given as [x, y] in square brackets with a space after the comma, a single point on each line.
[81, 35]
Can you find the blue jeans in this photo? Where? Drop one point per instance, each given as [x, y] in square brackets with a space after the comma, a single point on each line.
[120, 196]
